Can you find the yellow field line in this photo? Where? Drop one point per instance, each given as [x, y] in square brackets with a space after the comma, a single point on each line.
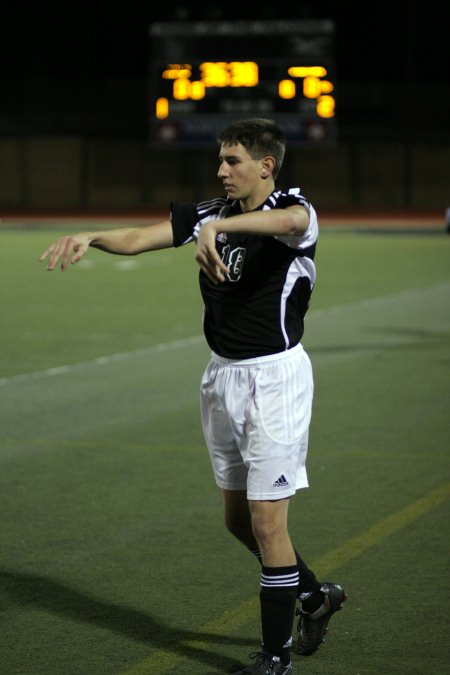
[160, 661]
[385, 527]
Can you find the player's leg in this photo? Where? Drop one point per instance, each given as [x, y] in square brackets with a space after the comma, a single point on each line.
[279, 582]
[269, 525]
[263, 524]
[276, 457]
[227, 413]
[238, 522]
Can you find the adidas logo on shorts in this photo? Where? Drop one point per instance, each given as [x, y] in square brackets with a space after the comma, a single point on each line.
[281, 482]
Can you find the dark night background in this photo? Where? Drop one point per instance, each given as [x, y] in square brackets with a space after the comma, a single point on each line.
[80, 70]
[63, 40]
[398, 42]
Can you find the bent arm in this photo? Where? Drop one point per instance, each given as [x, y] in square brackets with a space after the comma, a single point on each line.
[293, 220]
[122, 241]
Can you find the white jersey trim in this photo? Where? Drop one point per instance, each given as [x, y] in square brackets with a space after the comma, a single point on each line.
[308, 238]
[299, 268]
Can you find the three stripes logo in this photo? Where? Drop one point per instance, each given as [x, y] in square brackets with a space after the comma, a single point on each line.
[281, 482]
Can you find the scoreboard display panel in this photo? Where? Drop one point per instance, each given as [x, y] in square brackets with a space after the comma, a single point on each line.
[205, 74]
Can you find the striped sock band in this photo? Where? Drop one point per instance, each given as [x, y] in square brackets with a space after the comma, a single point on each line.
[279, 577]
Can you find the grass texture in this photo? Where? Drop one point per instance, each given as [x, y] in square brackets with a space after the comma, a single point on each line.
[114, 559]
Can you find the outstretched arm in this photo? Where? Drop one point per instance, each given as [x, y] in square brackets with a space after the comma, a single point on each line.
[123, 241]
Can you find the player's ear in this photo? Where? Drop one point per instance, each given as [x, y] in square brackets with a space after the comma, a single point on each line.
[267, 167]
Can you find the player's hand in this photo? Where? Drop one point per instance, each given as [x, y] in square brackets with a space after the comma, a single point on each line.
[68, 249]
[207, 255]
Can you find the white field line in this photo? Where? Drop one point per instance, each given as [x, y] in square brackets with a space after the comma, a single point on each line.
[367, 303]
[103, 360]
[199, 339]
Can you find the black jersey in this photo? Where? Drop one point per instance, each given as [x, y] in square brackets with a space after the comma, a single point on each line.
[260, 308]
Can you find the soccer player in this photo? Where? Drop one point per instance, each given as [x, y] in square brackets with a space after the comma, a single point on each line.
[255, 247]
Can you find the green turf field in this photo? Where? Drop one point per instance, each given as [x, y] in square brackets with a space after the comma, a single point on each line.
[114, 560]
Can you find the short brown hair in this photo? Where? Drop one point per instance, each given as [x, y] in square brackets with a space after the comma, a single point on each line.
[260, 137]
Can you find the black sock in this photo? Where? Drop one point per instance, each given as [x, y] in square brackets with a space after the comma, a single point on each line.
[278, 596]
[257, 553]
[308, 583]
[308, 590]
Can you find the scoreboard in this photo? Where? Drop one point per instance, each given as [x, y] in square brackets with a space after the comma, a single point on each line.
[206, 74]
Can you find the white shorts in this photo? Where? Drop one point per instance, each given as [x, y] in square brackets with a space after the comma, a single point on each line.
[256, 415]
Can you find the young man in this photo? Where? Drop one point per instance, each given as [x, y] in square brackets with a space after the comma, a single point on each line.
[255, 249]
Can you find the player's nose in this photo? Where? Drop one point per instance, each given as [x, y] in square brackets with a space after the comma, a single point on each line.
[222, 172]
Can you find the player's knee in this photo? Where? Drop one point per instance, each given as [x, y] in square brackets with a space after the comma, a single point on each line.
[265, 530]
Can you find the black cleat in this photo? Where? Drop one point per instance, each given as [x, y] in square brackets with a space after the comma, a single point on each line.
[312, 627]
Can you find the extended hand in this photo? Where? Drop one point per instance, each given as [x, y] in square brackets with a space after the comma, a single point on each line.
[63, 248]
[207, 255]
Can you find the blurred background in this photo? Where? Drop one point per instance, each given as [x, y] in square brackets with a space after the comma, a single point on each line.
[76, 107]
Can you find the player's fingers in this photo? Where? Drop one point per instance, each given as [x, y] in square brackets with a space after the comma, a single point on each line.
[220, 272]
[46, 253]
[53, 253]
[59, 249]
[211, 264]
[203, 258]
[80, 251]
[69, 248]
[215, 273]
[216, 262]
[206, 266]
[210, 276]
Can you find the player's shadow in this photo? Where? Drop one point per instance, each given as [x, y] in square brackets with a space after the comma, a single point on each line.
[25, 590]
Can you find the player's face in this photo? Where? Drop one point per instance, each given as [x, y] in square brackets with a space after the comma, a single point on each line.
[239, 172]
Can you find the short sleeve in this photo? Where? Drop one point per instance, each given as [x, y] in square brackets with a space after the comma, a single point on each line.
[184, 217]
[306, 242]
